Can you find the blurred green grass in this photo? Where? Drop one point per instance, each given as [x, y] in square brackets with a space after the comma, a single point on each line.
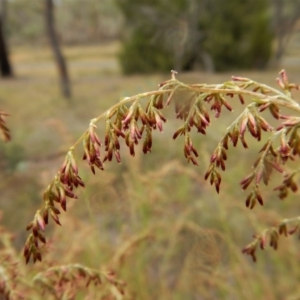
[184, 239]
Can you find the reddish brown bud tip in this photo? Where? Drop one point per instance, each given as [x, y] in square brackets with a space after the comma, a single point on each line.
[29, 226]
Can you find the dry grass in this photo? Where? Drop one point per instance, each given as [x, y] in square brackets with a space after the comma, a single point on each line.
[153, 219]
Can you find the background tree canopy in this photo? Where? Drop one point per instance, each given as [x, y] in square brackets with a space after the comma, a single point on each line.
[159, 35]
[156, 36]
[218, 35]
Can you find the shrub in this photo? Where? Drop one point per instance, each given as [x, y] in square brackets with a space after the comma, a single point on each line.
[236, 34]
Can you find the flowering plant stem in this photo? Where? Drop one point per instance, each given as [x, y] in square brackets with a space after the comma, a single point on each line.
[133, 119]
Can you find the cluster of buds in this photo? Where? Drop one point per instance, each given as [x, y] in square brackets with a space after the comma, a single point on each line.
[272, 235]
[255, 124]
[263, 168]
[151, 118]
[147, 144]
[65, 281]
[91, 145]
[247, 180]
[283, 82]
[235, 136]
[194, 113]
[294, 142]
[155, 117]
[32, 247]
[198, 118]
[261, 240]
[217, 160]
[219, 156]
[284, 150]
[4, 129]
[274, 110]
[158, 101]
[254, 197]
[218, 101]
[250, 249]
[231, 95]
[288, 183]
[250, 120]
[112, 144]
[57, 192]
[130, 123]
[120, 122]
[69, 173]
[214, 175]
[133, 136]
[289, 138]
[200, 121]
[190, 152]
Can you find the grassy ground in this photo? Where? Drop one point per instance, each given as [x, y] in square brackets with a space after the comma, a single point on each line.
[153, 219]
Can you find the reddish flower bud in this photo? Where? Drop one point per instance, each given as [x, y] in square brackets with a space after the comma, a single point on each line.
[264, 106]
[249, 199]
[241, 98]
[280, 83]
[293, 230]
[45, 216]
[158, 122]
[284, 77]
[259, 198]
[243, 125]
[262, 241]
[29, 226]
[178, 132]
[54, 217]
[246, 181]
[243, 142]
[238, 78]
[40, 221]
[226, 104]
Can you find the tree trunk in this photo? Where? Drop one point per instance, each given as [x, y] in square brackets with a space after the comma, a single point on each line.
[59, 58]
[3, 6]
[284, 25]
[5, 66]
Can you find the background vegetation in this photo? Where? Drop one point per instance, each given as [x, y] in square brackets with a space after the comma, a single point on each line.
[153, 220]
[216, 35]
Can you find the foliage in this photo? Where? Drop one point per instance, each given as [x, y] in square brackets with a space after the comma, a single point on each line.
[240, 35]
[76, 22]
[28, 23]
[233, 34]
[286, 14]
